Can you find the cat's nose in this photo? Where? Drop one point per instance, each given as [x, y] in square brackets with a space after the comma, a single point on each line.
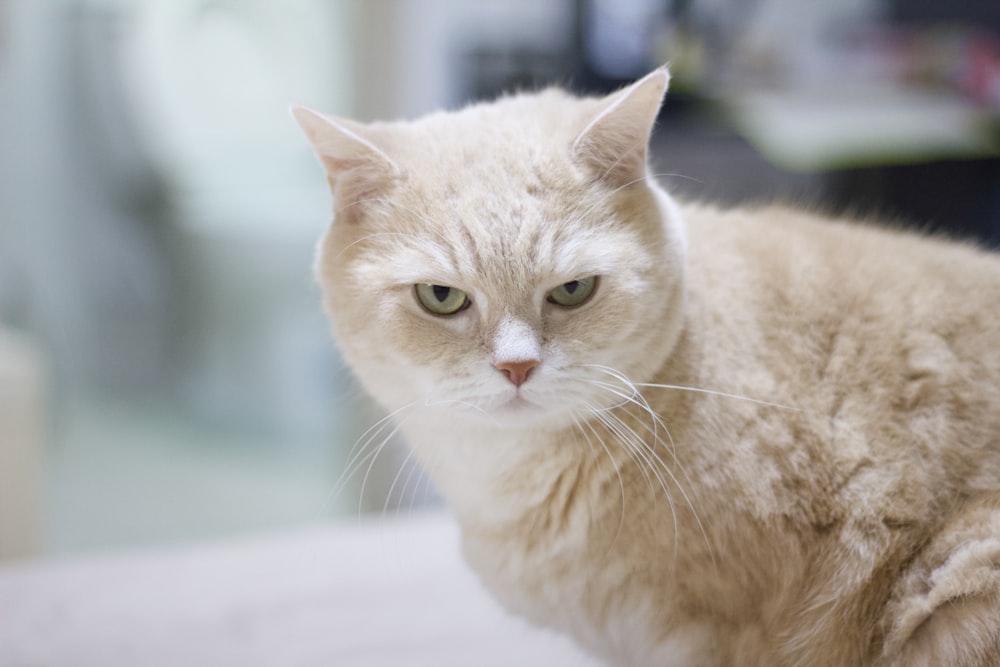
[517, 371]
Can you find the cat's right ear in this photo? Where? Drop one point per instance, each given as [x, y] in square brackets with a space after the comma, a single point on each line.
[614, 142]
[356, 167]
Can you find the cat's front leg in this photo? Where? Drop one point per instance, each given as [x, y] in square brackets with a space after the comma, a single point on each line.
[945, 610]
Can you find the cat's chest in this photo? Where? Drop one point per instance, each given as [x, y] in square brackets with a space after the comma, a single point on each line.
[557, 582]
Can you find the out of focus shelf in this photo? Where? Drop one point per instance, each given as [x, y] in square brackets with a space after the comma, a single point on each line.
[827, 129]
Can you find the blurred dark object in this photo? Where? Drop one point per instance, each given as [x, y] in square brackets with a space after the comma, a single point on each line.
[617, 41]
[959, 198]
[984, 14]
[492, 72]
[889, 110]
[953, 44]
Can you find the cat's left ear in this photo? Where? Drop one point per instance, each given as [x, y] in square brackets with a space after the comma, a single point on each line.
[356, 166]
[614, 141]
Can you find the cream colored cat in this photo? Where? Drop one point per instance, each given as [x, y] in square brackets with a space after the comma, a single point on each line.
[684, 436]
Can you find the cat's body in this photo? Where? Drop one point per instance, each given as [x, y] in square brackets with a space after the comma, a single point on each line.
[825, 492]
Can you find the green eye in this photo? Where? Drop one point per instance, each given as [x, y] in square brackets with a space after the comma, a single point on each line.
[441, 300]
[574, 293]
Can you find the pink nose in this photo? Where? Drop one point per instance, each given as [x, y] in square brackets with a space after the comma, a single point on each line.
[517, 371]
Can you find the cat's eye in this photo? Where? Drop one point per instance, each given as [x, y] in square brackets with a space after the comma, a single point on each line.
[574, 293]
[441, 300]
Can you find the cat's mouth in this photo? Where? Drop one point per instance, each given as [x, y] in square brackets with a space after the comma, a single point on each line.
[517, 405]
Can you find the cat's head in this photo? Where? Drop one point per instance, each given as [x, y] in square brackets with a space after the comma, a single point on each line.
[502, 262]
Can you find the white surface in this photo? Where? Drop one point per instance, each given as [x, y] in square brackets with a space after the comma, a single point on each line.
[372, 594]
[208, 83]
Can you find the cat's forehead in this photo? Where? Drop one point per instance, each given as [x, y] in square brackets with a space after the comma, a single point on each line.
[521, 131]
[518, 248]
[492, 197]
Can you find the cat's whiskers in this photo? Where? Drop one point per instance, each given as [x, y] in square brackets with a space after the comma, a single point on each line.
[639, 452]
[718, 393]
[364, 452]
[625, 400]
[416, 471]
[652, 385]
[614, 466]
[408, 462]
[359, 452]
[634, 386]
[658, 424]
[664, 174]
[636, 398]
[626, 436]
[430, 459]
[371, 465]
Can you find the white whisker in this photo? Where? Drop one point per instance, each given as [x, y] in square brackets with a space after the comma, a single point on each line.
[371, 465]
[663, 174]
[636, 398]
[718, 393]
[360, 453]
[614, 467]
[677, 387]
[407, 462]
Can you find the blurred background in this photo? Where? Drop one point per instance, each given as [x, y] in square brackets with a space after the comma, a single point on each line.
[165, 369]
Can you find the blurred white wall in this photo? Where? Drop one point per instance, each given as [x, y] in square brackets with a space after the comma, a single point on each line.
[146, 145]
[158, 212]
[413, 55]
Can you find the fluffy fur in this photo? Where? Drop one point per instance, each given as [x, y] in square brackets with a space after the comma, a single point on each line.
[767, 439]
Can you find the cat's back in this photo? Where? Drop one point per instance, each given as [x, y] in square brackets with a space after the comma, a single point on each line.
[793, 278]
[794, 254]
[886, 342]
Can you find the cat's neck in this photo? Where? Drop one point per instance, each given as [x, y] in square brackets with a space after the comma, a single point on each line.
[493, 474]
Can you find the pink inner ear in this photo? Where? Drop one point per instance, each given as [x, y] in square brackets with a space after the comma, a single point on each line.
[614, 142]
[357, 168]
[352, 189]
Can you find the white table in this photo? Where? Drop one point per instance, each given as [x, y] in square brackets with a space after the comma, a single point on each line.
[377, 593]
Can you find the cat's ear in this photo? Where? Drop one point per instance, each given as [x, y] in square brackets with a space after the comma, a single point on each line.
[356, 166]
[615, 139]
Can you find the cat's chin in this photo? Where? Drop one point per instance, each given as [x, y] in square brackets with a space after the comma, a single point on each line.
[520, 412]
[519, 405]
[507, 412]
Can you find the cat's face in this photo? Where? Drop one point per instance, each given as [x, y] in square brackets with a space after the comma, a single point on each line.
[501, 263]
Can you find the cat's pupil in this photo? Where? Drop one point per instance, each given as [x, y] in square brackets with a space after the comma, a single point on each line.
[571, 286]
[441, 292]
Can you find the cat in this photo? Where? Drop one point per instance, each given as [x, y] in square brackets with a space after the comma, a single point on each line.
[682, 435]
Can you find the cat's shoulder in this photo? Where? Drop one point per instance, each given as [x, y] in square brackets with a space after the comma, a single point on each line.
[779, 256]
[803, 230]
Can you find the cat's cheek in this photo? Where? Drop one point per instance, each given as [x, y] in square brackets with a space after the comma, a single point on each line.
[603, 327]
